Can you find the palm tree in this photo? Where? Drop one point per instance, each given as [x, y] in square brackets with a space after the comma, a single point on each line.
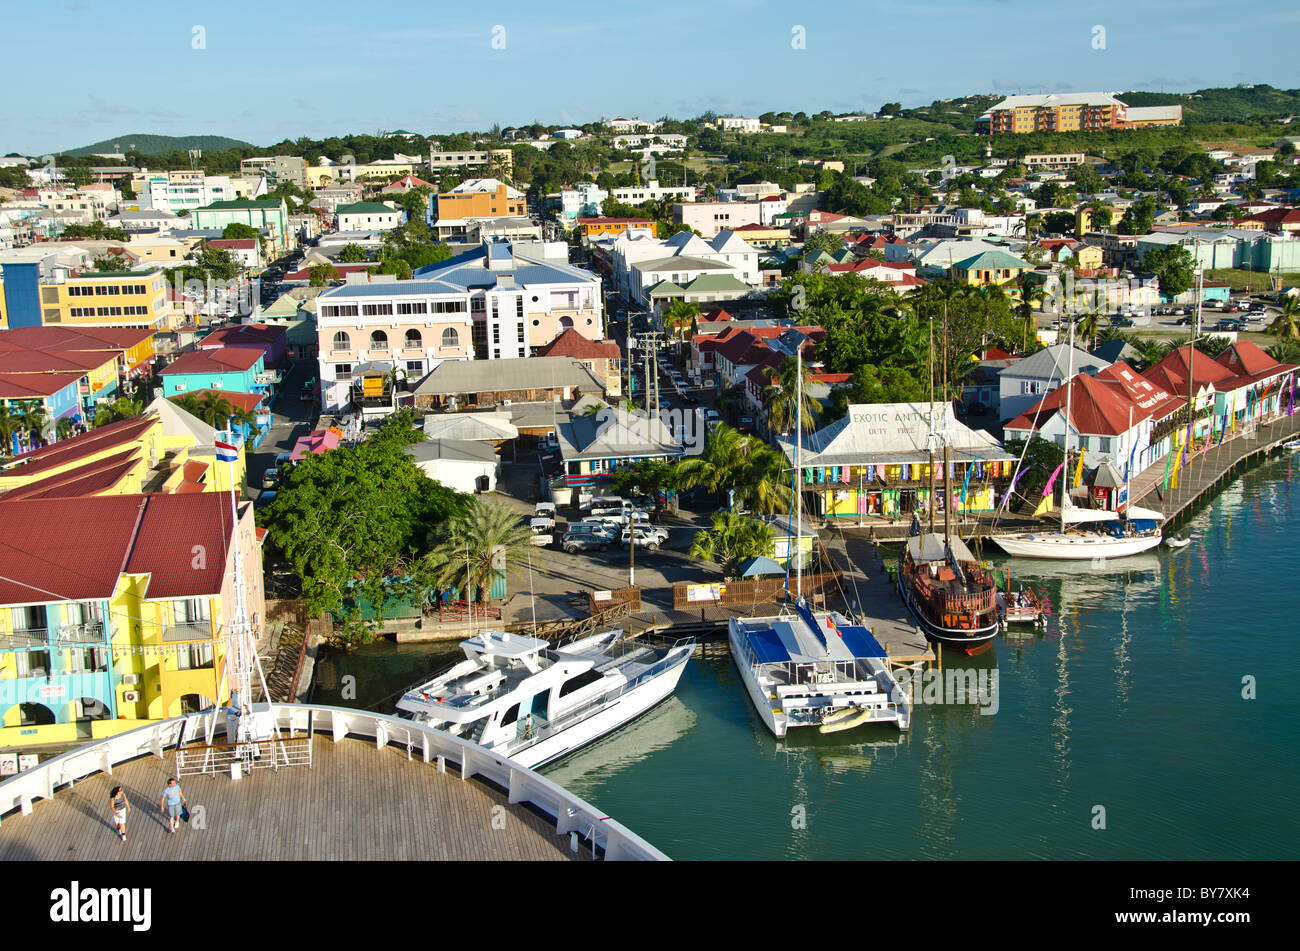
[31, 418]
[783, 402]
[214, 409]
[478, 547]
[1284, 327]
[120, 408]
[742, 464]
[733, 539]
[1031, 293]
[8, 427]
[63, 428]
[680, 317]
[1088, 325]
[1285, 351]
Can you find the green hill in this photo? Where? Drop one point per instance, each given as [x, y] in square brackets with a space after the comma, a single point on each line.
[159, 144]
[1236, 104]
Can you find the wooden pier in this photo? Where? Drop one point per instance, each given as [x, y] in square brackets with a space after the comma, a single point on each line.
[1208, 473]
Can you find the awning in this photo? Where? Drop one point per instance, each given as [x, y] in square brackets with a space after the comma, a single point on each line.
[1136, 511]
[1074, 516]
[760, 566]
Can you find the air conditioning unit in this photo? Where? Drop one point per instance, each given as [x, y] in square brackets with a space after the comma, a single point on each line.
[131, 696]
[130, 680]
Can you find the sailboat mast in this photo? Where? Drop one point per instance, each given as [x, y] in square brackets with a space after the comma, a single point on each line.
[1069, 392]
[798, 489]
[1191, 353]
[947, 491]
[930, 438]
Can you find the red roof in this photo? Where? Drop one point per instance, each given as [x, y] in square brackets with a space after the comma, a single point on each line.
[52, 337]
[715, 314]
[573, 344]
[66, 549]
[93, 478]
[172, 528]
[44, 361]
[1102, 405]
[1248, 361]
[35, 386]
[1171, 372]
[244, 335]
[240, 244]
[221, 360]
[242, 401]
[1276, 216]
[69, 450]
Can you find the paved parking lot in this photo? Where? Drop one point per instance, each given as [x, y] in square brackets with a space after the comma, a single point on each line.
[560, 581]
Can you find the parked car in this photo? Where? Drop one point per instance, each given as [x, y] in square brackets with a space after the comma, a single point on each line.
[265, 499]
[1185, 321]
[544, 510]
[541, 540]
[712, 416]
[602, 502]
[1121, 321]
[649, 539]
[270, 477]
[690, 398]
[584, 541]
[541, 525]
[1230, 324]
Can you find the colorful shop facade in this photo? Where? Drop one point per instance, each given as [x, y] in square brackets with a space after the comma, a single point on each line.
[876, 462]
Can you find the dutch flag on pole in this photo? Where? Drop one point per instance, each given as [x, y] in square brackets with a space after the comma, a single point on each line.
[226, 452]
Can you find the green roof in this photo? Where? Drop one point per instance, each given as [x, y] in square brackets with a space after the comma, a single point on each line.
[665, 289]
[239, 203]
[991, 261]
[716, 282]
[365, 208]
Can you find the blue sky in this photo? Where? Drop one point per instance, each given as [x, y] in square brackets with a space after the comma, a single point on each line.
[267, 72]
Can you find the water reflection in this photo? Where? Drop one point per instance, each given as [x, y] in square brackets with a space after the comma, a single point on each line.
[656, 730]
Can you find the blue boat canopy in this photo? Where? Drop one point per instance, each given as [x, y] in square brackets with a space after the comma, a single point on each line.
[767, 646]
[860, 642]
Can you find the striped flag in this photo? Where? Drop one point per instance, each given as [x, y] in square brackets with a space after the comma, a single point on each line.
[226, 452]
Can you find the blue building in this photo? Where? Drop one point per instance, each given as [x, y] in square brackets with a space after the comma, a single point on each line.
[230, 368]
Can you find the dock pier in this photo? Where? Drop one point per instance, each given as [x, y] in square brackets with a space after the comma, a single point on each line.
[1209, 473]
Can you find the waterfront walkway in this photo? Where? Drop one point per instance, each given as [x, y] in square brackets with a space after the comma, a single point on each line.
[353, 803]
[1207, 470]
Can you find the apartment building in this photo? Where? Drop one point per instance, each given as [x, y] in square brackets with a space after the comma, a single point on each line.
[1063, 112]
[277, 169]
[184, 190]
[500, 160]
[473, 199]
[269, 215]
[408, 325]
[34, 295]
[102, 632]
[369, 216]
[652, 191]
[710, 217]
[737, 124]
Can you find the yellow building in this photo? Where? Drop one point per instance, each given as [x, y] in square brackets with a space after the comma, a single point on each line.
[163, 450]
[990, 267]
[102, 631]
[106, 299]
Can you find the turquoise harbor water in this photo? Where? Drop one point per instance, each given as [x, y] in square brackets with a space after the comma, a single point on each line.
[1131, 701]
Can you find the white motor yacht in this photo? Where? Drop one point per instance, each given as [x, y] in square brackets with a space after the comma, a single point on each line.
[535, 702]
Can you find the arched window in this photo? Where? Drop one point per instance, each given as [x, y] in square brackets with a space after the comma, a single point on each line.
[413, 338]
[566, 323]
[378, 340]
[342, 341]
[450, 338]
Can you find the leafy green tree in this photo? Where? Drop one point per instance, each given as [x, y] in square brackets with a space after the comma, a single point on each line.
[112, 262]
[733, 539]
[239, 231]
[95, 231]
[1040, 461]
[680, 317]
[1284, 326]
[478, 547]
[320, 275]
[653, 477]
[823, 241]
[352, 254]
[119, 409]
[355, 521]
[1139, 218]
[743, 465]
[1174, 267]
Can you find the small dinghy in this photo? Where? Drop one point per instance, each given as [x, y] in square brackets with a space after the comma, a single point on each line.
[845, 720]
[1177, 542]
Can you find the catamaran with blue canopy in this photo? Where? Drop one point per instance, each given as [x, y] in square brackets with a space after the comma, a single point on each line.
[815, 669]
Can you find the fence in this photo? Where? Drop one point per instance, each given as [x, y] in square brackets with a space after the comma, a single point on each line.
[631, 597]
[569, 813]
[216, 759]
[754, 592]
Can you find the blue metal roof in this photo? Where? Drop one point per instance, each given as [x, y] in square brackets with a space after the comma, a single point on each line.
[390, 289]
[767, 645]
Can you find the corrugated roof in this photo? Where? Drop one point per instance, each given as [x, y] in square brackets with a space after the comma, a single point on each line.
[223, 360]
[453, 377]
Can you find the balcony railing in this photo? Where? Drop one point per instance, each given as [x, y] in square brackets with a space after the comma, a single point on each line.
[22, 638]
[188, 631]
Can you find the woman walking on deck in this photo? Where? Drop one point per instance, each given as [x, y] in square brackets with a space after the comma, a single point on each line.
[120, 805]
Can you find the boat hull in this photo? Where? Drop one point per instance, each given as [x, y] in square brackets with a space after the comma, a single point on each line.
[762, 704]
[622, 711]
[968, 639]
[1073, 547]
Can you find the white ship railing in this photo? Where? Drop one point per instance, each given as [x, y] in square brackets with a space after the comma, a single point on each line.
[440, 750]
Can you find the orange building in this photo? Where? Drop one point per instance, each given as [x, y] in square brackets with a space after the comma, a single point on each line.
[597, 227]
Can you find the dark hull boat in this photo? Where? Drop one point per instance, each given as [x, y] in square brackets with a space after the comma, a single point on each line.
[951, 597]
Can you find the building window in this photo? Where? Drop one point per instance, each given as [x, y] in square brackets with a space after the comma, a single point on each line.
[378, 340]
[342, 341]
[342, 370]
[376, 310]
[413, 338]
[450, 338]
[413, 307]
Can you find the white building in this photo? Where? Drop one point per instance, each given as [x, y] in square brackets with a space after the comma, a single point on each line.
[181, 191]
[652, 191]
[639, 264]
[1022, 385]
[369, 216]
[737, 124]
[630, 125]
[710, 217]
